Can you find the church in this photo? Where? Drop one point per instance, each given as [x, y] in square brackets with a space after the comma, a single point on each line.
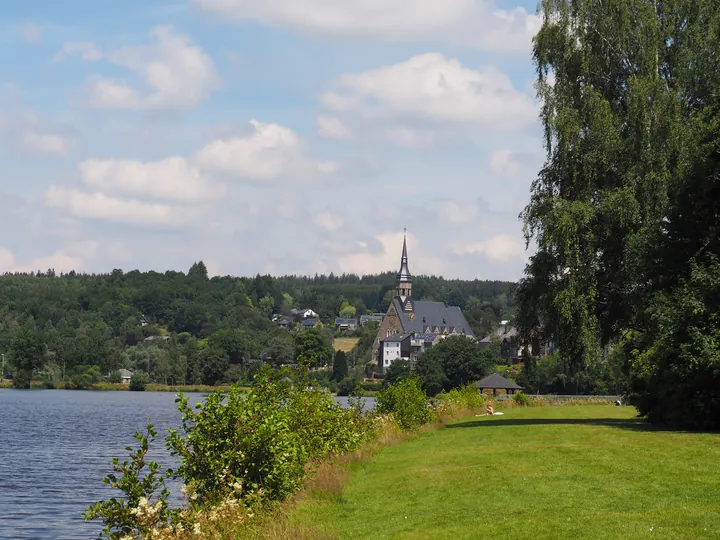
[412, 325]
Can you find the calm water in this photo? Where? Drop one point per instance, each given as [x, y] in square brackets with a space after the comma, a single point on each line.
[55, 447]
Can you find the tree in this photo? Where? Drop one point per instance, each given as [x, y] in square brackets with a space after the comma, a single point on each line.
[340, 366]
[460, 359]
[623, 211]
[399, 369]
[312, 349]
[214, 362]
[430, 372]
[347, 311]
[27, 352]
[198, 271]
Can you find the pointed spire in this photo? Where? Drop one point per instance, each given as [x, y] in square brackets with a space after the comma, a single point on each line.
[404, 274]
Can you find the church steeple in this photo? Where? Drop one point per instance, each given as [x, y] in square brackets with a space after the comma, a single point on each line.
[403, 283]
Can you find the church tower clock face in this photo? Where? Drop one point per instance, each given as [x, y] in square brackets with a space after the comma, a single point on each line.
[411, 316]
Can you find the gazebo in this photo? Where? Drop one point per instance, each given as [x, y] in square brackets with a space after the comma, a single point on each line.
[497, 382]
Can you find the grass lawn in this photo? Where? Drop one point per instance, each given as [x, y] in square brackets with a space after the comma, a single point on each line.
[547, 472]
[345, 344]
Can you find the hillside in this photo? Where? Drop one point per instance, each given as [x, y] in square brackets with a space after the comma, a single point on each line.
[188, 328]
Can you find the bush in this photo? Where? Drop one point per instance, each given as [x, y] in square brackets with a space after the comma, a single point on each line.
[262, 439]
[521, 399]
[115, 377]
[346, 386]
[467, 397]
[48, 385]
[138, 381]
[21, 379]
[407, 402]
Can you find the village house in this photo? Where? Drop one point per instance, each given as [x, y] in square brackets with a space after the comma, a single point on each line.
[345, 324]
[125, 376]
[372, 317]
[304, 313]
[411, 317]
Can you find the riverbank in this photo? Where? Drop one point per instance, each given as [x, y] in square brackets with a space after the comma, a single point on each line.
[41, 385]
[539, 472]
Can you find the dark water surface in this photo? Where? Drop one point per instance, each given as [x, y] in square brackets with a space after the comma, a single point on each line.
[55, 447]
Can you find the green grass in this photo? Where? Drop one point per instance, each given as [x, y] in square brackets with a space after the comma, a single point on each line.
[548, 472]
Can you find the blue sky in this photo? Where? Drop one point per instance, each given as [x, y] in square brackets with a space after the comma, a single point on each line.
[284, 136]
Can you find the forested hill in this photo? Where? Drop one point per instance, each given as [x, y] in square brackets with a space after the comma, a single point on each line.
[99, 319]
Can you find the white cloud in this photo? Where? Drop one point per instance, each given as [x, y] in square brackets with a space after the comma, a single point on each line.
[458, 212]
[32, 33]
[513, 165]
[388, 257]
[428, 97]
[103, 207]
[328, 221]
[501, 247]
[474, 23]
[27, 133]
[59, 261]
[84, 49]
[171, 178]
[331, 127]
[269, 152]
[178, 75]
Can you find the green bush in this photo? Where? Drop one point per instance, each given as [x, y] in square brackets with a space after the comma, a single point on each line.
[139, 381]
[21, 379]
[407, 402]
[259, 440]
[521, 399]
[346, 386]
[49, 385]
[115, 377]
[468, 397]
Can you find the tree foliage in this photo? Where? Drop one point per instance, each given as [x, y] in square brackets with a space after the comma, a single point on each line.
[452, 363]
[623, 211]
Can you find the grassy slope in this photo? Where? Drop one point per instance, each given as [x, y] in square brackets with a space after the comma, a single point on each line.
[551, 472]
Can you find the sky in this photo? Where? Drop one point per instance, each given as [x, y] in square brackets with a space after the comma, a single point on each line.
[281, 137]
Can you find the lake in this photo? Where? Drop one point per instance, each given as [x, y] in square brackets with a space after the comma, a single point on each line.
[55, 448]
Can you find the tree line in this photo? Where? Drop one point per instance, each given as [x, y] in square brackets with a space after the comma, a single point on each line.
[187, 328]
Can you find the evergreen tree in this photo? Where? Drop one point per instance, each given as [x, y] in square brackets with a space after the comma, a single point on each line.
[340, 366]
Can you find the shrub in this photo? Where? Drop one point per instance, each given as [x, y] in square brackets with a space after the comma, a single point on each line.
[21, 379]
[134, 515]
[138, 381]
[115, 377]
[407, 402]
[521, 399]
[467, 397]
[49, 385]
[346, 386]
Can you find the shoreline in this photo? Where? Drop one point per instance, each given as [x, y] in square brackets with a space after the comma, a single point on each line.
[120, 387]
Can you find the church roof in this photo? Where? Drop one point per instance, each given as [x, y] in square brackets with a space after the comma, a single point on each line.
[432, 315]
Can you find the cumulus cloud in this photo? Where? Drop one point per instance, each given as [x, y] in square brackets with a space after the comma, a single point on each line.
[177, 74]
[331, 127]
[474, 23]
[425, 98]
[27, 133]
[59, 261]
[328, 221]
[171, 178]
[269, 152]
[501, 247]
[103, 207]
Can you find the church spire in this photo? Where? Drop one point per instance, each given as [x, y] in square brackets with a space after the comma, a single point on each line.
[404, 279]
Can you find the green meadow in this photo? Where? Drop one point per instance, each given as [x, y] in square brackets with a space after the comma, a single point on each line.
[590, 471]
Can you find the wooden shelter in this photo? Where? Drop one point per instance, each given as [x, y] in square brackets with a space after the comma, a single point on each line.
[497, 382]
